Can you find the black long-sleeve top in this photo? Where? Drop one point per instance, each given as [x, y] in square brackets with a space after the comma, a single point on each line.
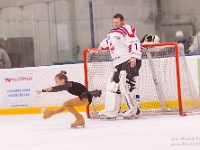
[77, 89]
[73, 88]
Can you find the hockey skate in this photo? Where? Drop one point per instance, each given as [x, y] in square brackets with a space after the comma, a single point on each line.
[104, 117]
[104, 114]
[80, 121]
[139, 112]
[133, 115]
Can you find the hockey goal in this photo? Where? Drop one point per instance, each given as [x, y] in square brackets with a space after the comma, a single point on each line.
[164, 85]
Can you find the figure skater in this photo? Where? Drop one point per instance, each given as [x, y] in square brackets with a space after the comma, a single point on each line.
[84, 97]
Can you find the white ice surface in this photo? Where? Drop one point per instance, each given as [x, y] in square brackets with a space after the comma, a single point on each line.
[29, 132]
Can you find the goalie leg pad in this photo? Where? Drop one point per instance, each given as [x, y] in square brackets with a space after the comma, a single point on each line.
[112, 100]
[131, 103]
[112, 105]
[112, 85]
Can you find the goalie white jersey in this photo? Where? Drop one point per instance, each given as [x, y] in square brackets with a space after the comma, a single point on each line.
[123, 44]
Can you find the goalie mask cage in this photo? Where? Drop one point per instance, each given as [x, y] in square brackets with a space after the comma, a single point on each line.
[164, 83]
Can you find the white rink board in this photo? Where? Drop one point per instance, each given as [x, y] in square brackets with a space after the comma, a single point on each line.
[44, 77]
[18, 90]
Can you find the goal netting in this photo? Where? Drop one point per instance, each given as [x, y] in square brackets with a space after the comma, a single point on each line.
[164, 84]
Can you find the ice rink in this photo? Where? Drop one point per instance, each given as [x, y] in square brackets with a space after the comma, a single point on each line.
[30, 132]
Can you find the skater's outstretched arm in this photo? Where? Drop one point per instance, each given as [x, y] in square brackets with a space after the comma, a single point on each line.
[65, 86]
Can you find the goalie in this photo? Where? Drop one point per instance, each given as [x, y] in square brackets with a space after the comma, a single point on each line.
[126, 53]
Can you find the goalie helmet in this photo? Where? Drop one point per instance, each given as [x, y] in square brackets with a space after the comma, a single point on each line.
[149, 38]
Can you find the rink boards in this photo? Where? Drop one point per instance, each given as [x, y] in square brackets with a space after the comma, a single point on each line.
[18, 87]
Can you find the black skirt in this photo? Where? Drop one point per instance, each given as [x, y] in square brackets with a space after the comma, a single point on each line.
[87, 95]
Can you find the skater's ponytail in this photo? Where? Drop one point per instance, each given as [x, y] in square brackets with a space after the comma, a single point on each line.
[62, 75]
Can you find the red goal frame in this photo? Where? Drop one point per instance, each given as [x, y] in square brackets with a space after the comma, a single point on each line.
[175, 45]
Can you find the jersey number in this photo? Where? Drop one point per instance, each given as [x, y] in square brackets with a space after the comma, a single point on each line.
[136, 46]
